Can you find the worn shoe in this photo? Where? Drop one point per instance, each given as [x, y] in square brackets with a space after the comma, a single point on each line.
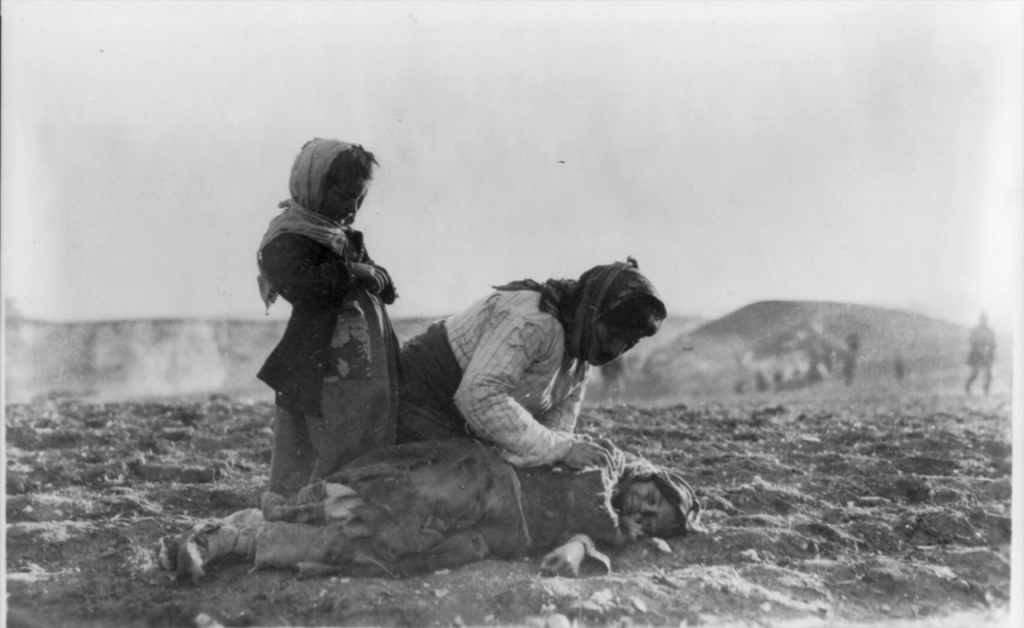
[167, 552]
[192, 553]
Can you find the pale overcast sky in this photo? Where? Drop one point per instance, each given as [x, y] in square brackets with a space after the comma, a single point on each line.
[870, 152]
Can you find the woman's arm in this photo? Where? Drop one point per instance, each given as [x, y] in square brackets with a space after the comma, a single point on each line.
[484, 398]
[561, 417]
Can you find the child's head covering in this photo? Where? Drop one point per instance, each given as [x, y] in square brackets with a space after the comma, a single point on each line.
[310, 170]
[672, 485]
[579, 304]
[302, 211]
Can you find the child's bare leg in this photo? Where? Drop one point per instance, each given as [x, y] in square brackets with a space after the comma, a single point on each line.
[293, 456]
[280, 544]
[317, 525]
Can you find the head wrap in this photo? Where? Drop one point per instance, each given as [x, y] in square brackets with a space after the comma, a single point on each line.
[578, 304]
[671, 484]
[301, 212]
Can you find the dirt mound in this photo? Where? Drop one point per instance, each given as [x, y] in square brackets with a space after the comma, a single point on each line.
[877, 509]
[780, 345]
[765, 318]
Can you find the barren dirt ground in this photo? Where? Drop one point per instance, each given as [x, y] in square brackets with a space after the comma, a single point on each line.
[873, 508]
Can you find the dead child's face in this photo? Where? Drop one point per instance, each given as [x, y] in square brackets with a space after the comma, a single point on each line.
[645, 504]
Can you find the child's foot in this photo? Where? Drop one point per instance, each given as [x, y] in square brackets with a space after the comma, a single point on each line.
[167, 551]
[193, 552]
[188, 554]
[185, 554]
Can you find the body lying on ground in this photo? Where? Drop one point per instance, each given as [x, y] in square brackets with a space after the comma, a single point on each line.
[421, 507]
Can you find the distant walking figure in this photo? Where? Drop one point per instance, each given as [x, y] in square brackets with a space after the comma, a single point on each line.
[850, 357]
[899, 368]
[982, 354]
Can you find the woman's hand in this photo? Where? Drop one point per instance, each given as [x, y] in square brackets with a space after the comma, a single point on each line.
[584, 454]
[370, 277]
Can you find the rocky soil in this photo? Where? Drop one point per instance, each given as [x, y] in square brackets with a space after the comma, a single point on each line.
[833, 509]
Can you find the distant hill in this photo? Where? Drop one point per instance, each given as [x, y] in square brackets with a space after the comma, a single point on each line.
[767, 326]
[785, 339]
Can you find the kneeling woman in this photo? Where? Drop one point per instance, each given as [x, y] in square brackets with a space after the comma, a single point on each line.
[511, 369]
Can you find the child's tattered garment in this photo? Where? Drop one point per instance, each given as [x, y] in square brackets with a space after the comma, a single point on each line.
[436, 504]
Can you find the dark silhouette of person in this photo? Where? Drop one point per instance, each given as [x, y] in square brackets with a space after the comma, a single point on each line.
[899, 368]
[818, 355]
[982, 354]
[850, 357]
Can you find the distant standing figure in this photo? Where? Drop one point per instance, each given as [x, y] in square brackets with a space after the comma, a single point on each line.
[335, 371]
[850, 357]
[982, 354]
[819, 362]
[899, 368]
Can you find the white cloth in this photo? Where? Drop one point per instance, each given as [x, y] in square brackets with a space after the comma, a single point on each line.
[518, 385]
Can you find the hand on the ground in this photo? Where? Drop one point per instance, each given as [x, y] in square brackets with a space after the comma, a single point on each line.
[584, 454]
[564, 560]
[370, 277]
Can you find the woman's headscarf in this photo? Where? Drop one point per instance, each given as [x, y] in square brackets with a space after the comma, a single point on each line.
[578, 304]
[302, 211]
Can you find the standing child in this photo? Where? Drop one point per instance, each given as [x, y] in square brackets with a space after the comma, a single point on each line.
[335, 371]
